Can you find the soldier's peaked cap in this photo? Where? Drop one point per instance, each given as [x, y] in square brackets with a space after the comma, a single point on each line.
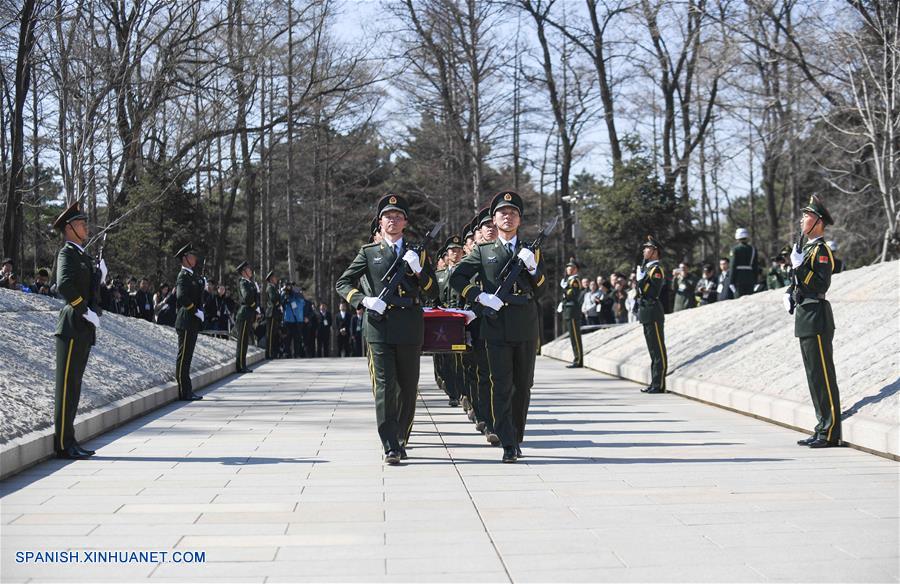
[573, 263]
[469, 230]
[507, 199]
[484, 216]
[453, 241]
[651, 242]
[186, 249]
[817, 207]
[72, 213]
[240, 267]
[392, 202]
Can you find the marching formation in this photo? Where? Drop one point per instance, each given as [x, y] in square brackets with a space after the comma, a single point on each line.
[487, 279]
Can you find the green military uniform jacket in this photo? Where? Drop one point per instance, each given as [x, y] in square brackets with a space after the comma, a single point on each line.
[401, 325]
[650, 309]
[776, 278]
[572, 298]
[74, 278]
[273, 301]
[685, 286]
[188, 294]
[248, 298]
[514, 323]
[451, 298]
[442, 277]
[813, 315]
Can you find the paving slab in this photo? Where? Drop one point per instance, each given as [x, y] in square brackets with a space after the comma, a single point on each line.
[277, 477]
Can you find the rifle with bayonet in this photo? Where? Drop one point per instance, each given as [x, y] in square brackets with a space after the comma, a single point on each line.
[794, 289]
[510, 273]
[395, 277]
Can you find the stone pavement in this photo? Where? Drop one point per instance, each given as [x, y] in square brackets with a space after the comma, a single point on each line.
[277, 477]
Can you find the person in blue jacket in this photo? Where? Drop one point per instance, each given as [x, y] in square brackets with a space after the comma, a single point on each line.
[296, 316]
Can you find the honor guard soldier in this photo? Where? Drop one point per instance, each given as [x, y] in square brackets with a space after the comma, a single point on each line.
[814, 322]
[248, 299]
[442, 279]
[744, 264]
[189, 320]
[273, 315]
[481, 393]
[779, 276]
[396, 334]
[512, 331]
[571, 311]
[77, 282]
[452, 363]
[650, 282]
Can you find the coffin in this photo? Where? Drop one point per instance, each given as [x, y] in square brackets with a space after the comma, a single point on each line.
[445, 332]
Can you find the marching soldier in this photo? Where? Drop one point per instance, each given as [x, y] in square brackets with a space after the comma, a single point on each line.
[248, 295]
[685, 286]
[273, 315]
[511, 336]
[454, 376]
[814, 323]
[571, 314]
[396, 335]
[744, 264]
[188, 321]
[650, 282]
[75, 329]
[481, 392]
[442, 278]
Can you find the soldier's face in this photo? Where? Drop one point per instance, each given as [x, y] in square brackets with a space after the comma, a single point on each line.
[507, 219]
[650, 253]
[488, 232]
[191, 260]
[571, 270]
[393, 223]
[79, 228]
[454, 254]
[811, 224]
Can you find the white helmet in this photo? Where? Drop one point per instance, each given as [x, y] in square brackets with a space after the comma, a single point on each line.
[832, 244]
[741, 233]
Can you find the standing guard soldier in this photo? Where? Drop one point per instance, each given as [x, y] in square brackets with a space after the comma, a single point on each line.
[814, 322]
[77, 284]
[273, 315]
[650, 282]
[189, 320]
[395, 337]
[744, 264]
[248, 297]
[512, 334]
[571, 311]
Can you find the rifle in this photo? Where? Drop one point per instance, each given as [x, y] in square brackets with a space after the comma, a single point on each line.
[395, 277]
[792, 290]
[97, 281]
[513, 268]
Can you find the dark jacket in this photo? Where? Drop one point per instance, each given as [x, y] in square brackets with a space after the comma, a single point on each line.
[74, 274]
[650, 287]
[188, 295]
[813, 315]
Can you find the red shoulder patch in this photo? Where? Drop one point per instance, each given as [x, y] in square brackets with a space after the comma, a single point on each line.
[657, 274]
[823, 259]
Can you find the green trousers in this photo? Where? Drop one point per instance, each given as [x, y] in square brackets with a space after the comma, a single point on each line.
[481, 392]
[244, 331]
[187, 340]
[654, 335]
[438, 371]
[394, 370]
[818, 360]
[71, 359]
[273, 334]
[511, 372]
[573, 327]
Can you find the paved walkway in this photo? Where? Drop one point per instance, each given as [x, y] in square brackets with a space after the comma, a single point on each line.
[277, 476]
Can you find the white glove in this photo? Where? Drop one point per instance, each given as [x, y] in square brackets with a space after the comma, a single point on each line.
[92, 318]
[103, 270]
[564, 283]
[796, 258]
[639, 273]
[527, 257]
[412, 258]
[258, 310]
[470, 316]
[199, 314]
[375, 304]
[787, 301]
[490, 301]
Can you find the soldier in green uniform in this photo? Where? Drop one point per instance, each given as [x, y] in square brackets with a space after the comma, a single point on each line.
[571, 311]
[778, 276]
[442, 278]
[685, 284]
[75, 329]
[511, 336]
[487, 232]
[744, 264]
[651, 278]
[814, 322]
[273, 315]
[189, 320]
[248, 299]
[454, 374]
[394, 337]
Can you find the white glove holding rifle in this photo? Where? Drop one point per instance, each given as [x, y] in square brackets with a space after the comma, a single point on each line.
[412, 258]
[374, 304]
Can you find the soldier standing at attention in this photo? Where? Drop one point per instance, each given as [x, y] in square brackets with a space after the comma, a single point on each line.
[744, 264]
[814, 323]
[75, 329]
[248, 295]
[188, 321]
[650, 281]
[394, 337]
[511, 335]
[273, 315]
[685, 285]
[571, 313]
